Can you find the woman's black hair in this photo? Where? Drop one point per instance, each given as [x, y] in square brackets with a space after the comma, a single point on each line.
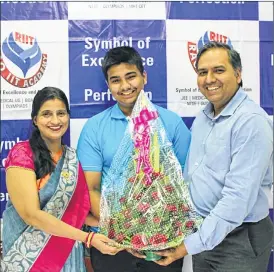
[41, 154]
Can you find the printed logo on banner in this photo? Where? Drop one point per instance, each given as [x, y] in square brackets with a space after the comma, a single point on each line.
[22, 51]
[209, 36]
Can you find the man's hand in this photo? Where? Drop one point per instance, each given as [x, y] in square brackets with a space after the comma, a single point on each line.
[136, 253]
[171, 255]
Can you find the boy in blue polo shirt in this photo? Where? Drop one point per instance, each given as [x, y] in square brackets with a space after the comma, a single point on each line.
[101, 137]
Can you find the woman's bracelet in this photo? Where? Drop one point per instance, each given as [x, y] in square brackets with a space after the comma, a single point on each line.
[89, 239]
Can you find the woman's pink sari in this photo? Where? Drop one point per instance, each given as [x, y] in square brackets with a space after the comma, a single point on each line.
[35, 250]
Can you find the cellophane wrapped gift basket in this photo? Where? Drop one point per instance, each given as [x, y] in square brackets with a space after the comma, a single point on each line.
[145, 202]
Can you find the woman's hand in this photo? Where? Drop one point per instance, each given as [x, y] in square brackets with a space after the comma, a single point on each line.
[105, 245]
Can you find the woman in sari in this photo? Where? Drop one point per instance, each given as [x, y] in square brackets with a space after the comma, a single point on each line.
[49, 198]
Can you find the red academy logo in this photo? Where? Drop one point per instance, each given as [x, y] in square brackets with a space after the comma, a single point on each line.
[209, 36]
[24, 52]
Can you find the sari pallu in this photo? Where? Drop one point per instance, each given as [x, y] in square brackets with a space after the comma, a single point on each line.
[66, 197]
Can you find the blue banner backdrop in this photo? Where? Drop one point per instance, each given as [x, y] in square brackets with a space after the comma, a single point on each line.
[64, 43]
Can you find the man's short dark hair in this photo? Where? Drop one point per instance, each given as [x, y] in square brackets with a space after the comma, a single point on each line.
[233, 56]
[122, 54]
